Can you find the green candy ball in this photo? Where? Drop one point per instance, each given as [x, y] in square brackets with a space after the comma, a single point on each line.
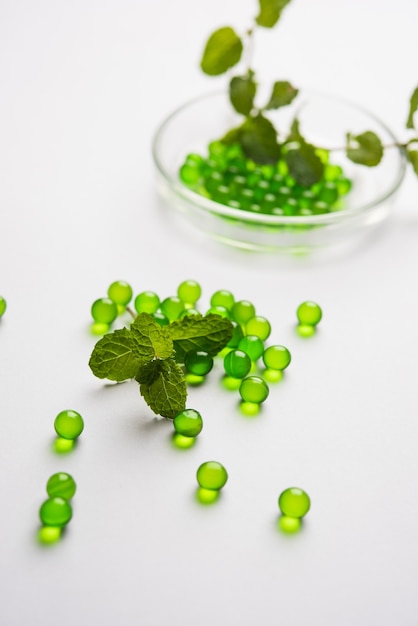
[188, 423]
[211, 475]
[69, 424]
[294, 502]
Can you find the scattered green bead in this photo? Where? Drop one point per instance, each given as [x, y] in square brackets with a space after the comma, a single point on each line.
[172, 307]
[69, 424]
[237, 364]
[55, 512]
[104, 310]
[254, 389]
[276, 357]
[62, 485]
[309, 313]
[224, 298]
[252, 345]
[3, 306]
[343, 185]
[332, 172]
[120, 293]
[146, 302]
[211, 475]
[329, 193]
[237, 335]
[242, 311]
[219, 310]
[198, 362]
[258, 326]
[49, 534]
[190, 174]
[188, 423]
[189, 291]
[294, 502]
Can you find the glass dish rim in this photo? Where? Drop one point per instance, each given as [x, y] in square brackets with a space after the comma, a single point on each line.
[210, 206]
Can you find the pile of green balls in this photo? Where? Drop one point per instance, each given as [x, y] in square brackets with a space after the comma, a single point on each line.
[56, 512]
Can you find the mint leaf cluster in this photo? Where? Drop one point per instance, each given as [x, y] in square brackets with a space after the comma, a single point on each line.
[153, 355]
[256, 135]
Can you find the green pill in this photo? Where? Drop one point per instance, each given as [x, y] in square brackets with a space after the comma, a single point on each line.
[3, 305]
[146, 302]
[189, 291]
[120, 292]
[237, 364]
[190, 173]
[254, 389]
[224, 298]
[237, 335]
[242, 311]
[294, 502]
[258, 326]
[188, 423]
[309, 313]
[276, 357]
[172, 307]
[252, 345]
[219, 310]
[62, 485]
[69, 424]
[198, 362]
[104, 310]
[55, 512]
[211, 475]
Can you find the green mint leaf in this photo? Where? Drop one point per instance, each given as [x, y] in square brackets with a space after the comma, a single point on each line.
[365, 149]
[304, 164]
[149, 339]
[210, 334]
[258, 139]
[113, 357]
[242, 90]
[413, 107]
[283, 93]
[163, 387]
[270, 12]
[222, 51]
[412, 156]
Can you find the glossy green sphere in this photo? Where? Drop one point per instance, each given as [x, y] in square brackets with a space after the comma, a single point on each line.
[198, 362]
[55, 512]
[252, 345]
[222, 298]
[211, 475]
[242, 311]
[188, 423]
[237, 335]
[237, 364]
[69, 424]
[309, 313]
[172, 307]
[61, 484]
[219, 310]
[146, 302]
[258, 326]
[120, 292]
[104, 310]
[3, 305]
[294, 502]
[254, 389]
[276, 357]
[189, 291]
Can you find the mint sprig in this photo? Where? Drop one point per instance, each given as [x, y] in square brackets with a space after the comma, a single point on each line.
[152, 355]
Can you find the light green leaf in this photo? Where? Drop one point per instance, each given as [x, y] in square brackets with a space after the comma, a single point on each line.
[242, 90]
[413, 107]
[222, 51]
[210, 334]
[412, 156]
[270, 12]
[149, 339]
[304, 164]
[283, 93]
[365, 149]
[163, 387]
[113, 357]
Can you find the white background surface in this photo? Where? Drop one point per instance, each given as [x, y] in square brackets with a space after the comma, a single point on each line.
[83, 87]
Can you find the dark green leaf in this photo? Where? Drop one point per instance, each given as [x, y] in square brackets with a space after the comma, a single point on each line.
[222, 51]
[210, 334]
[242, 90]
[412, 156]
[163, 387]
[232, 136]
[304, 164]
[413, 107]
[270, 12]
[113, 357]
[149, 339]
[283, 94]
[365, 149]
[295, 134]
[258, 139]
